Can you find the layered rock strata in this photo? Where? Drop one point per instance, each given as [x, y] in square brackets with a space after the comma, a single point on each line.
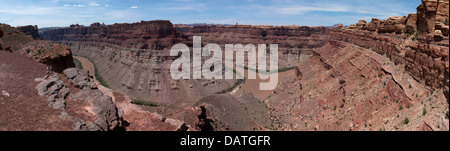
[419, 42]
[292, 41]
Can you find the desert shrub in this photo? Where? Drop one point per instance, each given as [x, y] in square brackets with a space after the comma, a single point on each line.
[144, 103]
[406, 121]
[416, 35]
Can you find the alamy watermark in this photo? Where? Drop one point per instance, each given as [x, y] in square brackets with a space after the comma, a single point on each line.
[212, 68]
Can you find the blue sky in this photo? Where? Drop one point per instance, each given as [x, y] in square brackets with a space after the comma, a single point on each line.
[50, 13]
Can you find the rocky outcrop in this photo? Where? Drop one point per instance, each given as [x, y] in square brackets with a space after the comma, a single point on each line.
[80, 78]
[431, 20]
[101, 107]
[391, 25]
[100, 104]
[58, 57]
[442, 27]
[30, 30]
[426, 13]
[56, 89]
[431, 12]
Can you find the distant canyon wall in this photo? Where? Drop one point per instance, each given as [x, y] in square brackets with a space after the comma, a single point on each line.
[292, 40]
[156, 35]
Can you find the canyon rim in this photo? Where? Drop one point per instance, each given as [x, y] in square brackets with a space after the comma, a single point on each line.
[376, 74]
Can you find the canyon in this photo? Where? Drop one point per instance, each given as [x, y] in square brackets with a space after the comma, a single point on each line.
[382, 75]
[368, 73]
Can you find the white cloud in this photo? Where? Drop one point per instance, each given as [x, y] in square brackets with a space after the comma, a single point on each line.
[218, 21]
[94, 4]
[134, 7]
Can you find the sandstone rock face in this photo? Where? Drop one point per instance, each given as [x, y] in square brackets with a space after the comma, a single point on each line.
[438, 35]
[361, 24]
[442, 27]
[430, 12]
[338, 26]
[30, 30]
[442, 13]
[411, 23]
